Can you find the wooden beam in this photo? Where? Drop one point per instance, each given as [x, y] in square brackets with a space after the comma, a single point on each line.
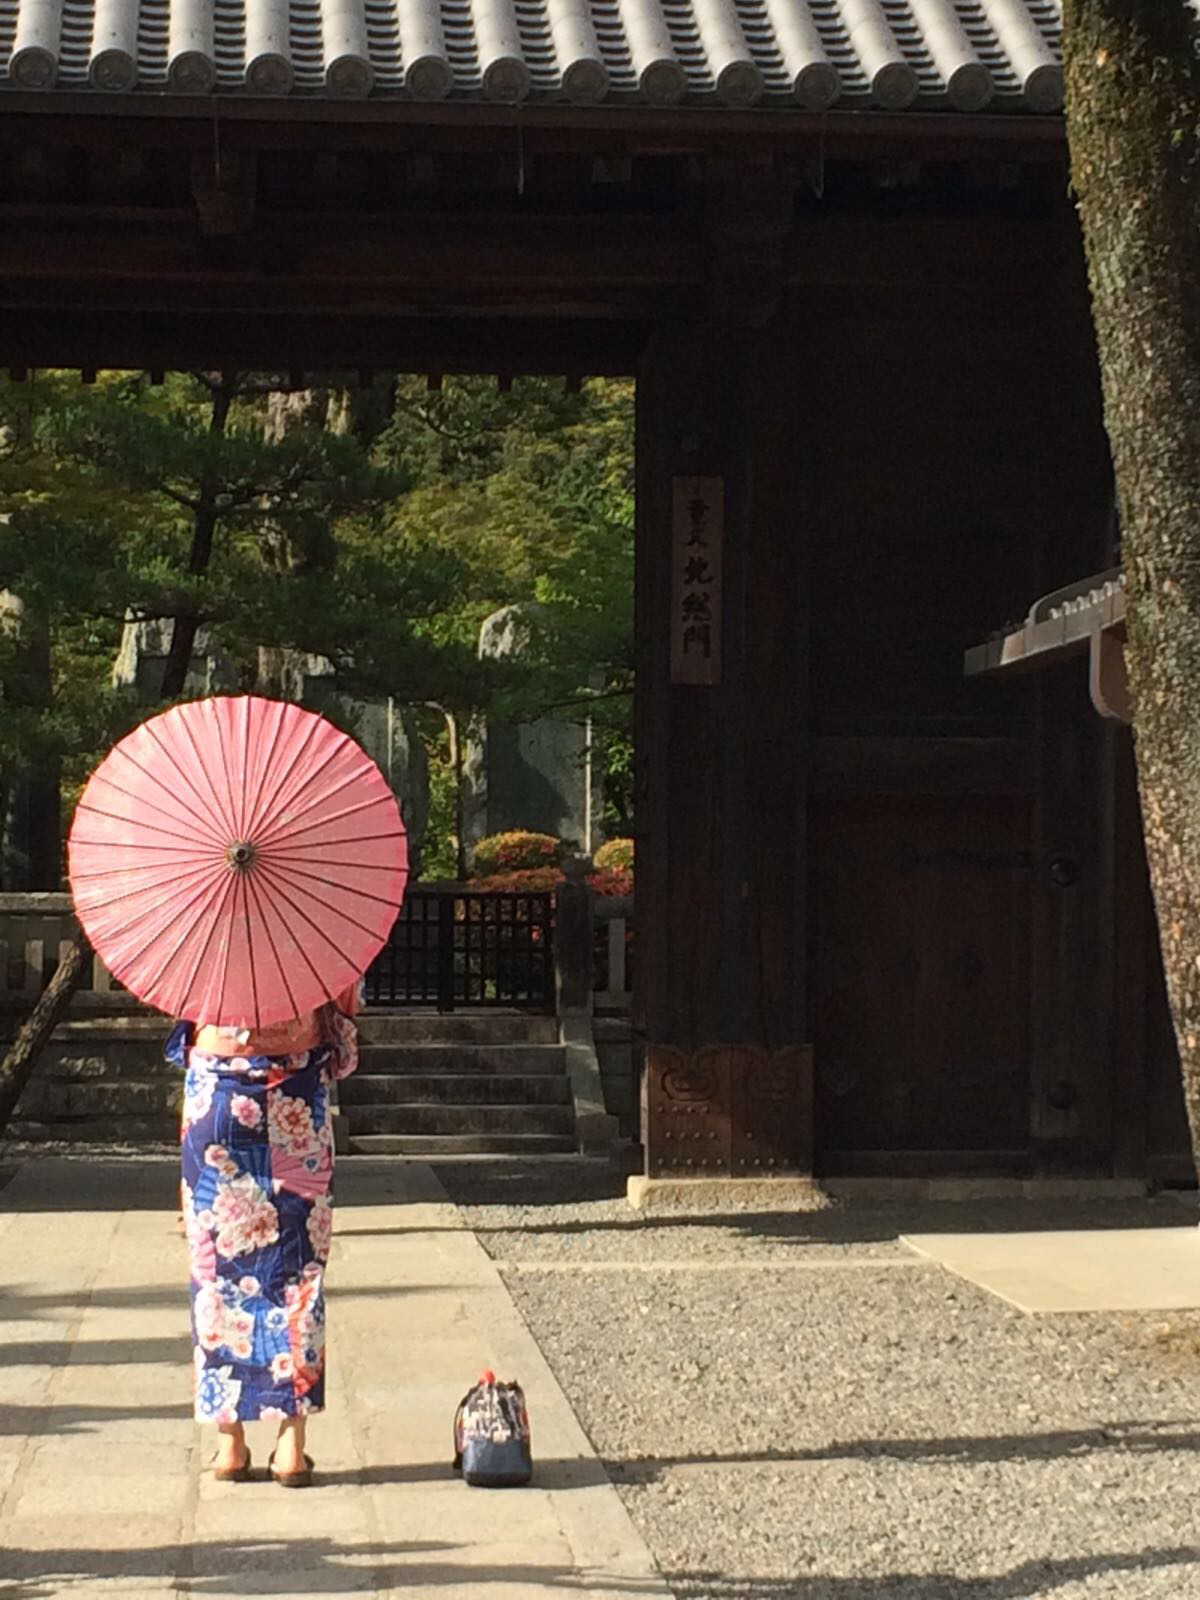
[619, 268]
[68, 115]
[139, 339]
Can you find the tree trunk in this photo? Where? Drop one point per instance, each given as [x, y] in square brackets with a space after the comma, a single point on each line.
[1133, 93]
[204, 528]
[18, 1064]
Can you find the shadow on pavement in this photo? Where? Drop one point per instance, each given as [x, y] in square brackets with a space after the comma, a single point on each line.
[557, 1473]
[1120, 1437]
[22, 1421]
[1032, 1580]
[308, 1566]
[321, 1566]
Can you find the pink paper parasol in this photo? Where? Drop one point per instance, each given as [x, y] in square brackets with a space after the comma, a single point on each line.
[237, 861]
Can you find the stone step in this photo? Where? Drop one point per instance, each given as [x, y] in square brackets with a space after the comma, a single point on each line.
[151, 1026]
[454, 1088]
[429, 1060]
[377, 1117]
[115, 1058]
[97, 1130]
[69, 1099]
[433, 1146]
[475, 1027]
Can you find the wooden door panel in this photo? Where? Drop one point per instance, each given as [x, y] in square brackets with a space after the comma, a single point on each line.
[921, 919]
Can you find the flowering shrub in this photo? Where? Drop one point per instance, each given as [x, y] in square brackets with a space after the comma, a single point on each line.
[613, 881]
[517, 851]
[615, 856]
[527, 880]
[543, 880]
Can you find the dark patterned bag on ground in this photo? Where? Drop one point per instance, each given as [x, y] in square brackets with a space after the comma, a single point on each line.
[491, 1435]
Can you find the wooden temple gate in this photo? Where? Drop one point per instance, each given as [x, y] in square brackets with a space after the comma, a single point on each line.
[832, 241]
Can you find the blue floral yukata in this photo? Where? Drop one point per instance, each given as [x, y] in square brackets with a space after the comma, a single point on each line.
[257, 1209]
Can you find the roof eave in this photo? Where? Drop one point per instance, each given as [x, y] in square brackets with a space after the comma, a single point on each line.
[838, 130]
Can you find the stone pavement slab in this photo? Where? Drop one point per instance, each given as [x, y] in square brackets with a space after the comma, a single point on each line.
[104, 1485]
[1117, 1269]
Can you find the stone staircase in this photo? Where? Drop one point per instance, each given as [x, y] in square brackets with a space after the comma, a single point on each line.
[467, 1084]
[102, 1080]
[470, 1083]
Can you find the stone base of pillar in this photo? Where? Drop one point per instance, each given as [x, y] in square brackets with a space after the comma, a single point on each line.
[729, 1111]
[726, 1194]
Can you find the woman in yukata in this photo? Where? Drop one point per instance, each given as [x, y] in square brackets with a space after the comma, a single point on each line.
[256, 1195]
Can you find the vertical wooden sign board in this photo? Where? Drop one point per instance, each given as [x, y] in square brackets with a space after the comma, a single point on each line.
[697, 530]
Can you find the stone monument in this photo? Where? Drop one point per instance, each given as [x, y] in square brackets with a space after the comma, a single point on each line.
[386, 729]
[537, 775]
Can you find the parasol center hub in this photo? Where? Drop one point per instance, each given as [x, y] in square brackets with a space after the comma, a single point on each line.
[241, 855]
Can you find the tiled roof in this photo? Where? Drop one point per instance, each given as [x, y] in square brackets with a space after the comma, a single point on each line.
[964, 55]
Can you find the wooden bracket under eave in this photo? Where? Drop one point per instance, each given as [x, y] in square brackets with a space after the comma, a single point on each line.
[1108, 675]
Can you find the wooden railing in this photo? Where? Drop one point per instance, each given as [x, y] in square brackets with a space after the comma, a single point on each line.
[34, 929]
[455, 946]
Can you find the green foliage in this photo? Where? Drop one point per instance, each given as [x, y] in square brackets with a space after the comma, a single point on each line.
[438, 858]
[612, 740]
[516, 851]
[288, 524]
[533, 493]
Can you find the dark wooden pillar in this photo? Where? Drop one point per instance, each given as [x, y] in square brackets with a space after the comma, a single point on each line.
[722, 764]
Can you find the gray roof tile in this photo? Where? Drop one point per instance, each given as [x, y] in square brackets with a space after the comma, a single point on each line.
[964, 55]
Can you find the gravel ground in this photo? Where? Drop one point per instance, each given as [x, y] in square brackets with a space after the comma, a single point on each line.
[797, 1408]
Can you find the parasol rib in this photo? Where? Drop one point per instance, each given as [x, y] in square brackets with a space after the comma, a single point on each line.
[245, 771]
[279, 966]
[289, 833]
[177, 882]
[271, 864]
[253, 808]
[171, 869]
[251, 964]
[199, 824]
[202, 820]
[265, 889]
[116, 816]
[206, 817]
[284, 802]
[278, 798]
[235, 881]
[214, 924]
[201, 770]
[344, 916]
[120, 965]
[226, 770]
[356, 838]
[286, 823]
